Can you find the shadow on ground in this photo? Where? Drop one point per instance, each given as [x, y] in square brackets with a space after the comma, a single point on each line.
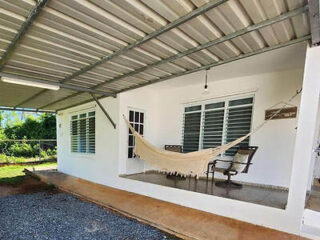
[24, 185]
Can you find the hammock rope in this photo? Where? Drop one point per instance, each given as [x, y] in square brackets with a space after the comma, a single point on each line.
[193, 163]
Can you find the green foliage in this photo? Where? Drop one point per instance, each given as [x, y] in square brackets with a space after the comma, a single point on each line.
[33, 127]
[43, 127]
[23, 149]
[15, 174]
[12, 159]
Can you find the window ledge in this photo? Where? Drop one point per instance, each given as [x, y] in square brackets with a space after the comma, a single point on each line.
[83, 155]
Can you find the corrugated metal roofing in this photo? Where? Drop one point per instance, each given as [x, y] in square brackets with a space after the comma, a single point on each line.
[69, 35]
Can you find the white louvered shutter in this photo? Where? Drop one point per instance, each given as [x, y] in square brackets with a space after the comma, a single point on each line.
[191, 129]
[238, 122]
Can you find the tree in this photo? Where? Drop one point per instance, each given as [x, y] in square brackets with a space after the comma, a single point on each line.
[33, 127]
[1, 119]
[48, 126]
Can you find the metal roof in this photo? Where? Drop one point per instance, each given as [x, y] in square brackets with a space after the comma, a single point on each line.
[112, 46]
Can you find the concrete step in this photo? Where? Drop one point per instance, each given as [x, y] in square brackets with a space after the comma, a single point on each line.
[311, 224]
[310, 232]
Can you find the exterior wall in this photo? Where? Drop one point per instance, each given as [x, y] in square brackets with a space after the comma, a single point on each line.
[144, 100]
[273, 160]
[96, 167]
[163, 108]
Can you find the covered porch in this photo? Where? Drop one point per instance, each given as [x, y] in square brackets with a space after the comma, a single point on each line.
[270, 79]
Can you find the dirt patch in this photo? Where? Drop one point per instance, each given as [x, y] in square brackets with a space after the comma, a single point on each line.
[28, 185]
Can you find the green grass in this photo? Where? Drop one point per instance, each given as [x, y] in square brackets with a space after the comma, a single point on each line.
[10, 159]
[15, 174]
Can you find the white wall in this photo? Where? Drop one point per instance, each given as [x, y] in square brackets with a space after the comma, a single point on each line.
[145, 100]
[272, 162]
[94, 167]
[163, 109]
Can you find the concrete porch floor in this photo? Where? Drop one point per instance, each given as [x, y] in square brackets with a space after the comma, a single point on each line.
[181, 221]
[313, 202]
[248, 193]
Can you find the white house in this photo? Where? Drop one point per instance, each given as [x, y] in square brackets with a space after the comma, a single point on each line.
[148, 61]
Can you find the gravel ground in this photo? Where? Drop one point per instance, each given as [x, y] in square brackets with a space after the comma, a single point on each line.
[63, 216]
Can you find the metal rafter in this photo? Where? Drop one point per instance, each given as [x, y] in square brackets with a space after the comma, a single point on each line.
[206, 7]
[25, 110]
[197, 12]
[242, 56]
[61, 85]
[314, 16]
[104, 111]
[24, 27]
[217, 41]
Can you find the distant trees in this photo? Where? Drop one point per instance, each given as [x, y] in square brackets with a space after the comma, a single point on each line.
[32, 127]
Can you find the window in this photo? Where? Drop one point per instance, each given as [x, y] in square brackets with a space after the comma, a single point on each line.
[83, 133]
[136, 118]
[214, 124]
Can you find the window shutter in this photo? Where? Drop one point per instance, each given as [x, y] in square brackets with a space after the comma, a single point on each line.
[213, 125]
[191, 131]
[222, 122]
[91, 130]
[238, 122]
[74, 134]
[82, 131]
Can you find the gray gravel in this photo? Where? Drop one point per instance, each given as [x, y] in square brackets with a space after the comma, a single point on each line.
[63, 216]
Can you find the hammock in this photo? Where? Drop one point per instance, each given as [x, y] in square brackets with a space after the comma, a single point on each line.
[193, 163]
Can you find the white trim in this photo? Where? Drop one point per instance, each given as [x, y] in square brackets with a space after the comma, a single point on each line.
[134, 109]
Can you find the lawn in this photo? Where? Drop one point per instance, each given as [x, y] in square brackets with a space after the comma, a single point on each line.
[15, 174]
[11, 159]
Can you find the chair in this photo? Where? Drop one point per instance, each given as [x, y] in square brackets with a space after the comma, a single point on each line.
[239, 164]
[174, 148]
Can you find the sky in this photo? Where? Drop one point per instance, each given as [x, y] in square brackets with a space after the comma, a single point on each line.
[9, 116]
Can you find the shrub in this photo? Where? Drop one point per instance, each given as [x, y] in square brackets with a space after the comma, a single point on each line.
[21, 150]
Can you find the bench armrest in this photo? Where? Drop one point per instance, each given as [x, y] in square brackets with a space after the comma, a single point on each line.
[228, 161]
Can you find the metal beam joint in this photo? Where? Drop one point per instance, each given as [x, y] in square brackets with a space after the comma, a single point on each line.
[314, 17]
[104, 111]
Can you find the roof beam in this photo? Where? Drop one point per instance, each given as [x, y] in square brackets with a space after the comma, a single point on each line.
[25, 110]
[201, 10]
[104, 110]
[24, 27]
[314, 17]
[217, 41]
[242, 56]
[203, 46]
[61, 85]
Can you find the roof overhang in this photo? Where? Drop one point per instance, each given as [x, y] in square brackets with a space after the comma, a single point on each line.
[108, 47]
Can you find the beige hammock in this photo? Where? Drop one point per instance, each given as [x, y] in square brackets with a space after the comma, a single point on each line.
[193, 163]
